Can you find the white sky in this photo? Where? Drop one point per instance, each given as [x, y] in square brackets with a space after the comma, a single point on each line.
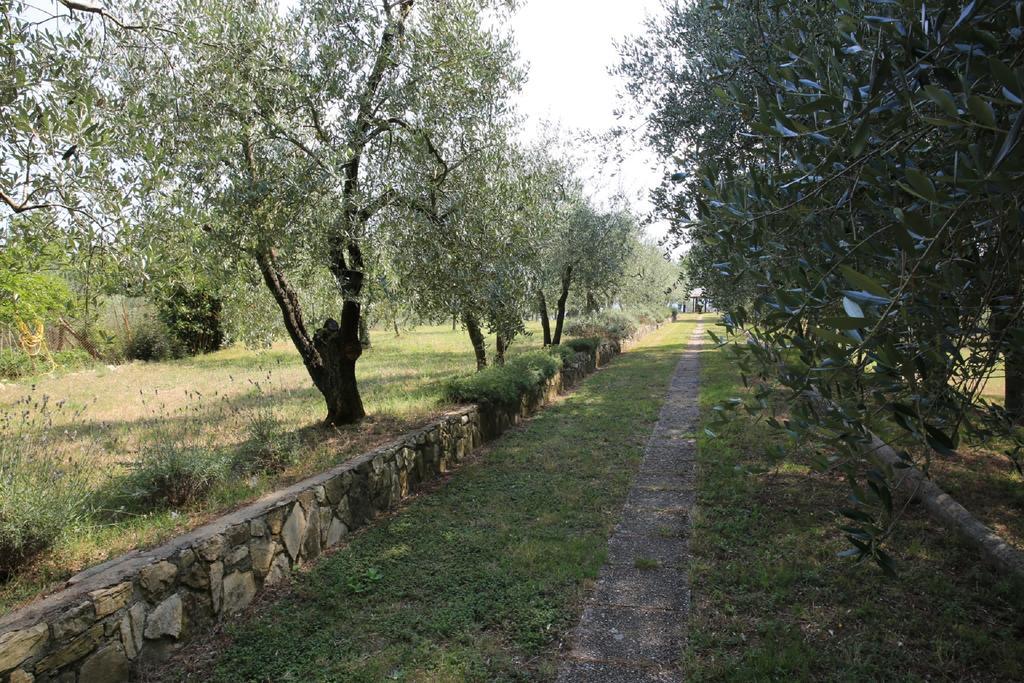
[569, 45]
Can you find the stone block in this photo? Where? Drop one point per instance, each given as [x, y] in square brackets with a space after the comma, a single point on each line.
[239, 590]
[156, 579]
[294, 531]
[165, 619]
[275, 519]
[109, 600]
[336, 488]
[335, 532]
[280, 569]
[17, 646]
[262, 551]
[258, 528]
[236, 535]
[212, 549]
[107, 665]
[196, 576]
[73, 651]
[238, 556]
[311, 541]
[217, 585]
[74, 621]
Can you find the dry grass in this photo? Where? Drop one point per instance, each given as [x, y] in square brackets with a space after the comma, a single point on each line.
[107, 416]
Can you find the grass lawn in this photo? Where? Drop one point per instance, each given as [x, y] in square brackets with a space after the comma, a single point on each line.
[771, 601]
[104, 417]
[479, 579]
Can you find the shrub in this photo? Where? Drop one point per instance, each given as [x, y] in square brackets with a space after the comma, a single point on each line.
[42, 493]
[616, 325]
[152, 341]
[505, 384]
[582, 345]
[16, 364]
[193, 317]
[267, 449]
[170, 475]
[542, 363]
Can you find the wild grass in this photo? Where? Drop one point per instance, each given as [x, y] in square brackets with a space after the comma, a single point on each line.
[162, 447]
[771, 601]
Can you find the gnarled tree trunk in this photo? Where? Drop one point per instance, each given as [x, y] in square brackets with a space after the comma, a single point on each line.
[330, 355]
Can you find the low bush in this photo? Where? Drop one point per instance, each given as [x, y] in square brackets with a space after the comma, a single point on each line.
[543, 364]
[582, 345]
[152, 341]
[615, 325]
[267, 449]
[16, 364]
[42, 494]
[505, 384]
[170, 475]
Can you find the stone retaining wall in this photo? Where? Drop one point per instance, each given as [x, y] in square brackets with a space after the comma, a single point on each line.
[139, 607]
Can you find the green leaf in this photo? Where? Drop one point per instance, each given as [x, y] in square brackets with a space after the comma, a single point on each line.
[981, 111]
[1004, 74]
[921, 184]
[862, 281]
[1010, 141]
[942, 98]
[852, 308]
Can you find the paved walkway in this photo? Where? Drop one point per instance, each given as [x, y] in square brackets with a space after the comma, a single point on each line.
[632, 628]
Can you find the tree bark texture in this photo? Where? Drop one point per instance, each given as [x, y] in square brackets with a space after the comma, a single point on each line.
[476, 336]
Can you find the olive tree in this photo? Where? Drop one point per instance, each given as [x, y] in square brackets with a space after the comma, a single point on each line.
[286, 133]
[873, 227]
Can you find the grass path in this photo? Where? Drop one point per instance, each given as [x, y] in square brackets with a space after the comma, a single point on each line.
[482, 578]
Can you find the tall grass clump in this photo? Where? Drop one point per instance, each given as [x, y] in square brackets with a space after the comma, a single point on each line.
[171, 475]
[43, 492]
[267, 449]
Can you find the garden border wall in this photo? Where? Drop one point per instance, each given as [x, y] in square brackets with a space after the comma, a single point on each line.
[139, 607]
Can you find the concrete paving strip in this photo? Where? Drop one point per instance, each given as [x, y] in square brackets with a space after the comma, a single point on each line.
[633, 625]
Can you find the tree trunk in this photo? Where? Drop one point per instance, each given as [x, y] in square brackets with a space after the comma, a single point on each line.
[592, 306]
[1013, 397]
[364, 333]
[337, 379]
[560, 311]
[545, 320]
[500, 346]
[477, 338]
[330, 355]
[1004, 317]
[394, 321]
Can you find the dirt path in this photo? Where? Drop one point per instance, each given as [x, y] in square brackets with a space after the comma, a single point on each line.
[632, 628]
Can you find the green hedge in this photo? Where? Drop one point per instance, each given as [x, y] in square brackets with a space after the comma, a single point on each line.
[505, 384]
[582, 345]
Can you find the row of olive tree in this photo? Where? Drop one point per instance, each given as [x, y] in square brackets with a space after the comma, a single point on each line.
[363, 152]
[850, 176]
